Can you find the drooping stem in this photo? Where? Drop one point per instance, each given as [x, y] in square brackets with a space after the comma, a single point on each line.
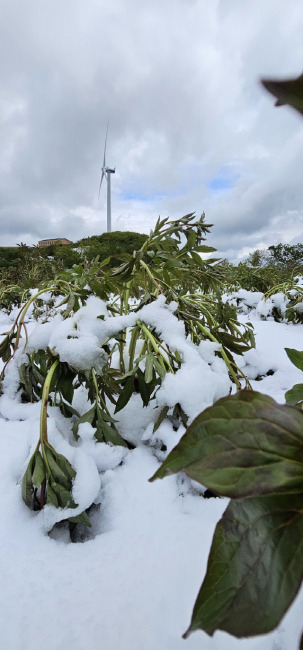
[223, 354]
[43, 412]
[158, 352]
[149, 273]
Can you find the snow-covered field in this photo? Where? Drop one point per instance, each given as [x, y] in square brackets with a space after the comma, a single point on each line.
[131, 586]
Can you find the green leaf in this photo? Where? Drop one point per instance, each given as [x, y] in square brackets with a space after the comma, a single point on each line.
[87, 417]
[70, 304]
[25, 379]
[96, 286]
[57, 472]
[149, 365]
[162, 415]
[144, 388]
[158, 368]
[254, 568]
[5, 347]
[51, 497]
[39, 471]
[109, 434]
[294, 396]
[244, 445]
[126, 393]
[83, 518]
[205, 249]
[196, 257]
[27, 483]
[65, 499]
[37, 374]
[230, 342]
[289, 91]
[65, 386]
[64, 465]
[296, 357]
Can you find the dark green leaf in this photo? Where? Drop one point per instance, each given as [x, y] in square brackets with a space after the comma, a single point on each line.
[98, 287]
[51, 497]
[65, 499]
[57, 473]
[65, 386]
[196, 257]
[70, 304]
[289, 91]
[108, 434]
[25, 379]
[296, 357]
[205, 249]
[232, 343]
[87, 417]
[83, 518]
[126, 394]
[144, 388]
[38, 375]
[294, 395]
[158, 368]
[162, 415]
[39, 470]
[254, 568]
[64, 465]
[27, 483]
[245, 444]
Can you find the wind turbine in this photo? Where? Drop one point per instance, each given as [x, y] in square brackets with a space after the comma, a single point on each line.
[107, 171]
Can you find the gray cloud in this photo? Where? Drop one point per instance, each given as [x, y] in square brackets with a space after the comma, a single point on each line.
[179, 82]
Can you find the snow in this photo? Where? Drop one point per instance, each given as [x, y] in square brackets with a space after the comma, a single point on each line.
[133, 582]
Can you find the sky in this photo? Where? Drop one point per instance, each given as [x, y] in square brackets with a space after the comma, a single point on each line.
[190, 127]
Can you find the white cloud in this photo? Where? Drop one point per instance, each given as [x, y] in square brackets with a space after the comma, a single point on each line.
[180, 83]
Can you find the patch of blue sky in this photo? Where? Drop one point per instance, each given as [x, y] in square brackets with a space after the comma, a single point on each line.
[222, 182]
[128, 195]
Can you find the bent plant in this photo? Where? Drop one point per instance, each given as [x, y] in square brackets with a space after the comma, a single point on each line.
[132, 356]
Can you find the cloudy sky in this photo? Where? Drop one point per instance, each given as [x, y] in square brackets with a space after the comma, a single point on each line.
[191, 128]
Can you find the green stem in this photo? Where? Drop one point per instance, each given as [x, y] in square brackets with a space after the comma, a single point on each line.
[98, 394]
[150, 337]
[148, 271]
[132, 347]
[43, 412]
[223, 354]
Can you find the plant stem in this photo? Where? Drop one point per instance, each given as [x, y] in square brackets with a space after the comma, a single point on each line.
[43, 412]
[148, 271]
[223, 354]
[149, 335]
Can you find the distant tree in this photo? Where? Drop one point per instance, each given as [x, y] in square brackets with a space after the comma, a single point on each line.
[258, 258]
[111, 244]
[286, 254]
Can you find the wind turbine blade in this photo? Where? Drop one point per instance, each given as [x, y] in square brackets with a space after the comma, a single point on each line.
[105, 144]
[102, 176]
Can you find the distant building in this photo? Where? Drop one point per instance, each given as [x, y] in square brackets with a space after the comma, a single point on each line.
[51, 242]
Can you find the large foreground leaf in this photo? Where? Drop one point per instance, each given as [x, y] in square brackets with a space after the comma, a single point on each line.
[289, 91]
[244, 445]
[254, 568]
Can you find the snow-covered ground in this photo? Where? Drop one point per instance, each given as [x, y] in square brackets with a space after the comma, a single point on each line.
[133, 585]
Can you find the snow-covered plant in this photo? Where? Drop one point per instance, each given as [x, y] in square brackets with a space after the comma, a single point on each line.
[116, 334]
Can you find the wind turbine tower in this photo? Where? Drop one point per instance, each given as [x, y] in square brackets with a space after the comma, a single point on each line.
[107, 171]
